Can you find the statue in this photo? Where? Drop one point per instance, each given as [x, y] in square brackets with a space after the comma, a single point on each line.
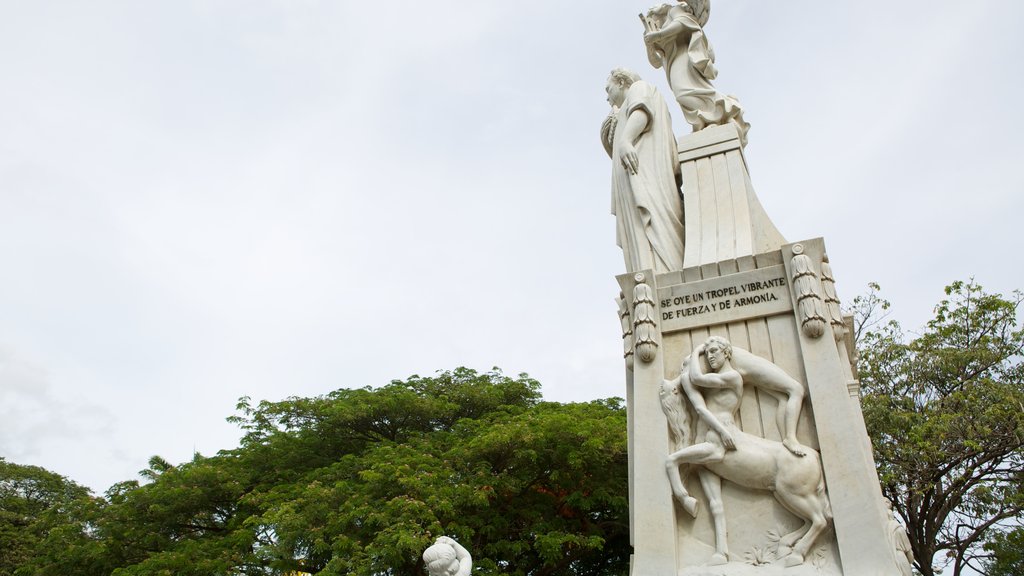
[902, 552]
[675, 41]
[721, 450]
[446, 557]
[646, 200]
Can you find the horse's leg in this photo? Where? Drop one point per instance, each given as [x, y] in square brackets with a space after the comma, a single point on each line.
[815, 506]
[712, 484]
[787, 541]
[811, 509]
[696, 454]
[689, 503]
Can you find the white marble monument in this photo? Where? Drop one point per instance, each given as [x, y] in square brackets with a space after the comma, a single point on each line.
[748, 453]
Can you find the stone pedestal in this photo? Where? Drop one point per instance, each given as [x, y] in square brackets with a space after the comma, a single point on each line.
[742, 281]
[724, 219]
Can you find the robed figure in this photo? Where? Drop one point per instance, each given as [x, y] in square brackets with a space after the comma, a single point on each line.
[646, 200]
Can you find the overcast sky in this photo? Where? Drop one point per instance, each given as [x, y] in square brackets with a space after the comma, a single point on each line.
[201, 200]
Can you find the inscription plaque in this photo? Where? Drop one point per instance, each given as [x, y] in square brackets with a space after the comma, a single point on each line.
[731, 298]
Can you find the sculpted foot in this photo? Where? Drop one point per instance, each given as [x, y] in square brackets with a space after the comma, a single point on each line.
[717, 559]
[794, 559]
[795, 447]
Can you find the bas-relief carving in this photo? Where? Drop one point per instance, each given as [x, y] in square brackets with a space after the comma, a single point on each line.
[720, 450]
[446, 557]
[646, 200]
[674, 35]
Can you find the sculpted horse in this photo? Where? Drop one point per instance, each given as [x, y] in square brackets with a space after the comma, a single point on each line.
[721, 450]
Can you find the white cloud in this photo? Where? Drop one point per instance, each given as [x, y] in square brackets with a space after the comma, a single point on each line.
[38, 421]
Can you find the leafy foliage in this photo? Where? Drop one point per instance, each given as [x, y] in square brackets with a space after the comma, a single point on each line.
[361, 481]
[945, 410]
[1006, 554]
[32, 502]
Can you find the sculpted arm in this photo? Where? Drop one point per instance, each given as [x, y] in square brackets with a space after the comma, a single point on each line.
[701, 407]
[677, 22]
[636, 123]
[669, 30]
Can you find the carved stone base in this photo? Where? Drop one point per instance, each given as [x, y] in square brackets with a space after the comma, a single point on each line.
[754, 303]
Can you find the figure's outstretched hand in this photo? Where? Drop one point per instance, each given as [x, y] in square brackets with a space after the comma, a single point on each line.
[653, 36]
[629, 158]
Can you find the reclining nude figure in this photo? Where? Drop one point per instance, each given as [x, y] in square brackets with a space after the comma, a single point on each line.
[767, 376]
[721, 450]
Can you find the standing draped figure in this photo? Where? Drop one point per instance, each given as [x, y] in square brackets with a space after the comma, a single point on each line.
[645, 194]
[676, 42]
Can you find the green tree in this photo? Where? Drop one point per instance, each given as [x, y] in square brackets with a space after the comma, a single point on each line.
[530, 487]
[945, 411]
[32, 502]
[1007, 554]
[361, 481]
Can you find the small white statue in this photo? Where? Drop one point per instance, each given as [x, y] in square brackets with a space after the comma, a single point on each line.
[675, 40]
[646, 201]
[446, 557]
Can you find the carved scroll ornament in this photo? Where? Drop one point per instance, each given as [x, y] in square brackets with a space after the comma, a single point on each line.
[808, 294]
[645, 343]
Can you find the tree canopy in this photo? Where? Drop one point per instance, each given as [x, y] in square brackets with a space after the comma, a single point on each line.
[945, 410]
[361, 481]
[32, 500]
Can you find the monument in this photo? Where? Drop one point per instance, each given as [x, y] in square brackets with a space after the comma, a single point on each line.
[748, 452]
